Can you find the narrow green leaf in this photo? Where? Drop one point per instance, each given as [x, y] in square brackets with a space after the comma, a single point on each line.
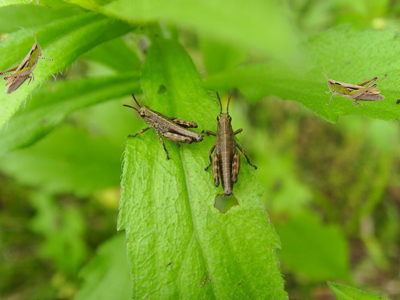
[256, 24]
[344, 60]
[64, 40]
[343, 292]
[316, 251]
[116, 54]
[179, 245]
[51, 104]
[65, 161]
[28, 16]
[107, 275]
[15, 2]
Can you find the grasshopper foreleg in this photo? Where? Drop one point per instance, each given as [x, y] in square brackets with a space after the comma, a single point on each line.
[209, 132]
[140, 132]
[245, 155]
[210, 157]
[238, 131]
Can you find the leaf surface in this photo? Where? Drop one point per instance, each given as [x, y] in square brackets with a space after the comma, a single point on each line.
[312, 249]
[179, 245]
[343, 292]
[64, 40]
[107, 275]
[344, 59]
[51, 104]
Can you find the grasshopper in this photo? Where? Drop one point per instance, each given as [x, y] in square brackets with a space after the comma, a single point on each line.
[362, 91]
[172, 128]
[24, 70]
[226, 160]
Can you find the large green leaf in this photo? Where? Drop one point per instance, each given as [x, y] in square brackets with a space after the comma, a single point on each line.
[107, 275]
[343, 292]
[251, 25]
[347, 57]
[64, 40]
[51, 104]
[67, 160]
[179, 245]
[313, 250]
[15, 17]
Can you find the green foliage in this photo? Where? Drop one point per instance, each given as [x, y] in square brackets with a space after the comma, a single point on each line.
[331, 191]
[61, 34]
[314, 250]
[107, 275]
[196, 251]
[60, 163]
[343, 292]
[340, 53]
[63, 231]
[54, 102]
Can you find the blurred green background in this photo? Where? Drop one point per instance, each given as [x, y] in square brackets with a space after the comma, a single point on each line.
[332, 191]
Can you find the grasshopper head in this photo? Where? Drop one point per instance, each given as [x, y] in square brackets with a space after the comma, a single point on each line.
[142, 110]
[36, 50]
[224, 117]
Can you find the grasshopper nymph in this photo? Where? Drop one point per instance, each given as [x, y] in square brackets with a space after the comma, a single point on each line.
[172, 128]
[362, 91]
[226, 160]
[24, 70]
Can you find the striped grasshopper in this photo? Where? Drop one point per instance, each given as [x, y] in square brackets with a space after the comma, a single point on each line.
[226, 160]
[172, 128]
[25, 69]
[362, 91]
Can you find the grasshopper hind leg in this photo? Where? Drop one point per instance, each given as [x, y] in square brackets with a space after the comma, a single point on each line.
[163, 143]
[210, 157]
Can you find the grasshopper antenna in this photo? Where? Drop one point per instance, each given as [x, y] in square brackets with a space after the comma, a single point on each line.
[130, 107]
[325, 74]
[134, 98]
[229, 100]
[220, 104]
[34, 36]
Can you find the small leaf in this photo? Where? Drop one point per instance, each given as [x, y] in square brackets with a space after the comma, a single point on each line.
[64, 40]
[179, 244]
[51, 104]
[107, 275]
[343, 292]
[313, 250]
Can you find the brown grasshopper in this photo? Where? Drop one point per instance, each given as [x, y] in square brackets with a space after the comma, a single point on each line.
[361, 91]
[172, 128]
[24, 70]
[226, 160]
